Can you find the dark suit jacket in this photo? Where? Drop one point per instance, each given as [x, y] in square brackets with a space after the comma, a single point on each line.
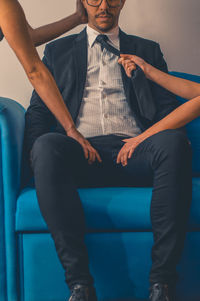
[66, 58]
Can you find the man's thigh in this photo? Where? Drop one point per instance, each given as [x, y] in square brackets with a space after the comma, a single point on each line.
[138, 172]
[65, 155]
[101, 174]
[165, 146]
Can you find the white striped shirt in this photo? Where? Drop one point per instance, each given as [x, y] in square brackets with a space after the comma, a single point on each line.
[104, 109]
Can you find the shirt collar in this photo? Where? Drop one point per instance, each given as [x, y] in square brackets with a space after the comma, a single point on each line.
[113, 36]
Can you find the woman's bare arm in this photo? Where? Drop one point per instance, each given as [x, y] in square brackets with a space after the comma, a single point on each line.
[14, 26]
[51, 31]
[177, 118]
[181, 87]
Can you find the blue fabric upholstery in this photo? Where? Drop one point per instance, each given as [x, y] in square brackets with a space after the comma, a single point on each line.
[119, 245]
[106, 209]
[12, 131]
[121, 254]
[2, 243]
[120, 263]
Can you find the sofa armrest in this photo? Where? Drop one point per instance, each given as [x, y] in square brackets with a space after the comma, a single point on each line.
[11, 141]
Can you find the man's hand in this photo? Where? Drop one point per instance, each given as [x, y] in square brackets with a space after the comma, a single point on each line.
[129, 63]
[90, 153]
[127, 150]
[81, 12]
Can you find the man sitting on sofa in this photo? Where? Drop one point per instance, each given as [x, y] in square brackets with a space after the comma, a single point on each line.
[105, 108]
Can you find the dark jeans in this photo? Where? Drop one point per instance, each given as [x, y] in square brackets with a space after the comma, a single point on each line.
[162, 161]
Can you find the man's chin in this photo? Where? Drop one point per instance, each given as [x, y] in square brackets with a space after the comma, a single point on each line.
[104, 27]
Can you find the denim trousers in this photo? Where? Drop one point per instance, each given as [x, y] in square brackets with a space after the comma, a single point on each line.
[162, 161]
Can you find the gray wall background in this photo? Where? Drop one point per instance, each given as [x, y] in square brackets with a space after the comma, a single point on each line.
[175, 24]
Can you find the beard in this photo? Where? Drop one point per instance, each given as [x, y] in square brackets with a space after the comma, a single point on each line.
[103, 25]
[105, 29]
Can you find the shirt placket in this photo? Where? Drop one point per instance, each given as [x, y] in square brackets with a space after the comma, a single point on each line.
[102, 86]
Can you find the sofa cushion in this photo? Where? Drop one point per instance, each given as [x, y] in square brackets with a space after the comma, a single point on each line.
[107, 209]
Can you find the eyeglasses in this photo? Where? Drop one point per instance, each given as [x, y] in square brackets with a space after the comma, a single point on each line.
[111, 3]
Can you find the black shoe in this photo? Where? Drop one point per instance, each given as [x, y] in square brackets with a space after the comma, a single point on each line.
[161, 292]
[82, 293]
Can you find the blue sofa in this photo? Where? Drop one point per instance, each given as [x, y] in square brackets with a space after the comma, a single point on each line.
[119, 237]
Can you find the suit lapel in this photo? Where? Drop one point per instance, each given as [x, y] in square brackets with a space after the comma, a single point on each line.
[126, 48]
[80, 59]
[143, 101]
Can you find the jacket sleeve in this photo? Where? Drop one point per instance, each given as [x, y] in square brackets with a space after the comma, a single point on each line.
[38, 118]
[166, 102]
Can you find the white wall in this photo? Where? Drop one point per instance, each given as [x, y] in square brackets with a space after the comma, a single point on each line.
[175, 24]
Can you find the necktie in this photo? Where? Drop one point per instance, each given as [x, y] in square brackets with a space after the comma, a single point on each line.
[140, 84]
[103, 40]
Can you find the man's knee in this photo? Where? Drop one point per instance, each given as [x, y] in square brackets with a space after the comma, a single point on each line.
[171, 147]
[173, 142]
[44, 144]
[53, 145]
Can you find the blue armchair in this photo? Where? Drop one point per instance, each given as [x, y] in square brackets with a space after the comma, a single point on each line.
[119, 230]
